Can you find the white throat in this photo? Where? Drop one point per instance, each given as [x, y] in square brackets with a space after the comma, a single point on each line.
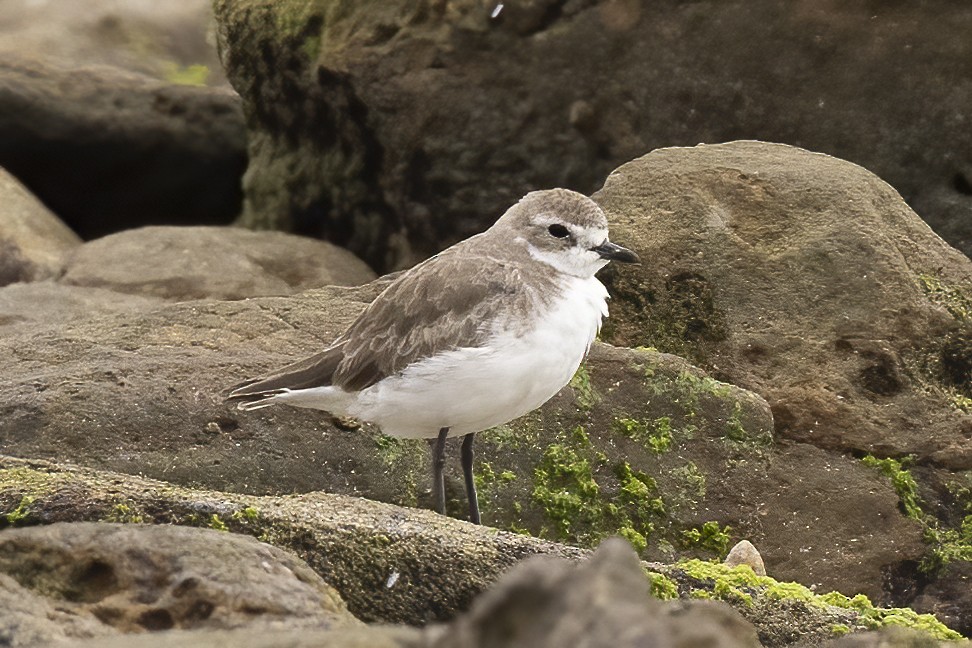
[576, 262]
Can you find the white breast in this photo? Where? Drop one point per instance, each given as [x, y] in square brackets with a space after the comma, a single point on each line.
[472, 389]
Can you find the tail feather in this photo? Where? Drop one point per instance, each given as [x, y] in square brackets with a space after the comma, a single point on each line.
[316, 371]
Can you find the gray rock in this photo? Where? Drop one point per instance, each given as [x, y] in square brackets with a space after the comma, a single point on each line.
[366, 637]
[108, 149]
[33, 241]
[544, 602]
[365, 123]
[744, 553]
[42, 303]
[109, 578]
[170, 41]
[181, 263]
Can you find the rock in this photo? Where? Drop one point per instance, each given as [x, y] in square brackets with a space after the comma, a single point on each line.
[181, 263]
[744, 553]
[641, 443]
[29, 619]
[893, 638]
[33, 241]
[949, 597]
[42, 303]
[171, 41]
[387, 562]
[365, 126]
[365, 637]
[805, 279]
[107, 149]
[355, 545]
[136, 578]
[602, 602]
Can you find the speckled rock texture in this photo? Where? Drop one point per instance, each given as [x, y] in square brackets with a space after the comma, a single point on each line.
[130, 578]
[396, 128]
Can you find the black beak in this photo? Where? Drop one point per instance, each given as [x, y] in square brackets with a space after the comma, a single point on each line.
[612, 252]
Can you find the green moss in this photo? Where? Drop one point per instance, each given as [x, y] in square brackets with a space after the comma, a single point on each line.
[839, 629]
[956, 300]
[902, 482]
[710, 537]
[740, 583]
[583, 512]
[194, 75]
[962, 403]
[585, 393]
[123, 513]
[655, 435]
[247, 514]
[691, 481]
[663, 588]
[22, 512]
[216, 523]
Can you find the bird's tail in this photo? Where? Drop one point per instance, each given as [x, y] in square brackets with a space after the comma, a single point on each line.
[248, 402]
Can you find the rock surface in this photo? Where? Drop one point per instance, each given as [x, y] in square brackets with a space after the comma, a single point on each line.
[642, 443]
[371, 124]
[544, 603]
[44, 303]
[132, 578]
[170, 41]
[807, 280]
[107, 149]
[387, 563]
[181, 263]
[33, 241]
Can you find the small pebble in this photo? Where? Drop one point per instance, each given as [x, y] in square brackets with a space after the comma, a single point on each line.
[744, 553]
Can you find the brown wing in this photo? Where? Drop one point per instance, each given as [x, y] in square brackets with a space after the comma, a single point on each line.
[439, 304]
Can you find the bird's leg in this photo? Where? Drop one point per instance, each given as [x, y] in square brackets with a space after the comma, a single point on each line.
[467, 472]
[438, 464]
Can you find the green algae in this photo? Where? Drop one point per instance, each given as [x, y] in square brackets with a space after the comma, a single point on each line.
[741, 585]
[662, 587]
[955, 299]
[193, 75]
[655, 435]
[22, 511]
[902, 482]
[580, 509]
[709, 536]
[584, 391]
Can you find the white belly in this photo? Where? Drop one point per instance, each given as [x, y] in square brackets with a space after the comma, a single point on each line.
[472, 389]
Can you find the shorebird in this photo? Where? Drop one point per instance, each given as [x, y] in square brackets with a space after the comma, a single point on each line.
[475, 336]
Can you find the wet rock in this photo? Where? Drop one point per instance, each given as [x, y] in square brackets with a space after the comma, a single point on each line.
[107, 149]
[181, 263]
[33, 241]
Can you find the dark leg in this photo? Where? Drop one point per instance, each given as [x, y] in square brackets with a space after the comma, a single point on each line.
[467, 472]
[438, 463]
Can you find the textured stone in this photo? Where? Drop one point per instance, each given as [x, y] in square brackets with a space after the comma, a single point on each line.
[42, 303]
[396, 128]
[33, 241]
[805, 279]
[135, 578]
[181, 263]
[744, 553]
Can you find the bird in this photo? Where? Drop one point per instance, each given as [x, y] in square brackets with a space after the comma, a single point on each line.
[473, 337]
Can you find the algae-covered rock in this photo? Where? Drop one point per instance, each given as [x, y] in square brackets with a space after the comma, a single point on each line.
[803, 278]
[398, 127]
[413, 566]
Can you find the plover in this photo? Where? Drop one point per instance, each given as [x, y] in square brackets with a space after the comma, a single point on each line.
[474, 337]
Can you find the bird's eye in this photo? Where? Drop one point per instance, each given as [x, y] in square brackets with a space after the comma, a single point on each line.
[558, 230]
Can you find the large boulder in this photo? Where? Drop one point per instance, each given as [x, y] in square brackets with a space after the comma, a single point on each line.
[181, 263]
[33, 241]
[398, 127]
[807, 280]
[91, 579]
[107, 149]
